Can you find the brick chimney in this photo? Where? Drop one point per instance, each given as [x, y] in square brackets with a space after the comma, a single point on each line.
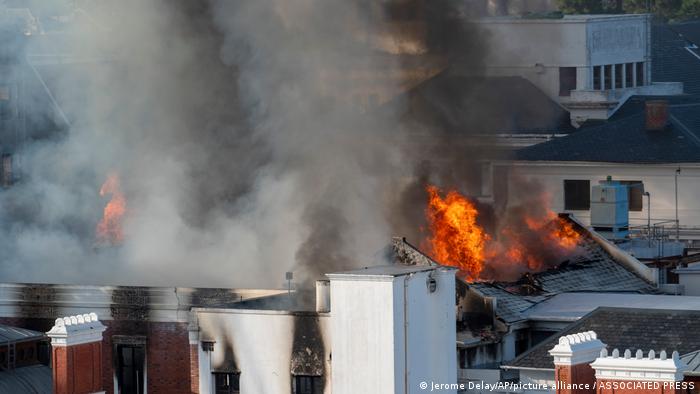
[572, 356]
[639, 374]
[76, 357]
[656, 112]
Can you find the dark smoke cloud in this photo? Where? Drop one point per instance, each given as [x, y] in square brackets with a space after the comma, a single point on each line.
[241, 152]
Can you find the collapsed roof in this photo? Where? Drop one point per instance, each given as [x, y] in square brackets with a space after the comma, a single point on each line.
[590, 269]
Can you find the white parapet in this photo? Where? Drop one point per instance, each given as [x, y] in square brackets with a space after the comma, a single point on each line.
[577, 349]
[76, 330]
[650, 368]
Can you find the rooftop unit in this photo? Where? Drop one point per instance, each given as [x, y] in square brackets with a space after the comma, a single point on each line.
[610, 209]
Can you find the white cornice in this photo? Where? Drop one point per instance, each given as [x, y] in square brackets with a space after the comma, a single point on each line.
[639, 368]
[577, 349]
[76, 330]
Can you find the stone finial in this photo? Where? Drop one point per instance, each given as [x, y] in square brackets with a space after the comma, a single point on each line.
[76, 330]
[604, 352]
[639, 368]
[577, 348]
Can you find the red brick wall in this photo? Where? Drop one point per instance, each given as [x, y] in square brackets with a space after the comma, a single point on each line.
[167, 352]
[577, 374]
[167, 355]
[76, 369]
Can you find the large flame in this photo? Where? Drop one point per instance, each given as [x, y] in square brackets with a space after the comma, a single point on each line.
[529, 241]
[457, 240]
[109, 229]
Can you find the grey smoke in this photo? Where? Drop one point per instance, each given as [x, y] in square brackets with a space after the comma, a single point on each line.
[237, 161]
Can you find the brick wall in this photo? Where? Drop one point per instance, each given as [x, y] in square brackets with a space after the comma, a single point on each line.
[168, 357]
[578, 374]
[76, 368]
[167, 352]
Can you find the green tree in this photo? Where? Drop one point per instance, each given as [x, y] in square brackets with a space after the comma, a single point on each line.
[581, 6]
[690, 9]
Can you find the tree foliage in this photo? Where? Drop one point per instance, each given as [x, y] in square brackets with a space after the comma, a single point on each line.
[666, 9]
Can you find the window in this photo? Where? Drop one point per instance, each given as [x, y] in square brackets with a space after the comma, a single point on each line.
[567, 80]
[635, 190]
[303, 384]
[463, 358]
[640, 74]
[607, 70]
[44, 352]
[618, 76]
[629, 75]
[577, 195]
[130, 362]
[227, 383]
[596, 77]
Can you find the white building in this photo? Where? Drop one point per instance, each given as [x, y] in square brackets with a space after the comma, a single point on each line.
[389, 328]
[590, 64]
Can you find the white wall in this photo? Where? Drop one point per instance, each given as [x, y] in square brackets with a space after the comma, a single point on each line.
[363, 330]
[261, 342]
[518, 45]
[389, 333]
[432, 333]
[658, 181]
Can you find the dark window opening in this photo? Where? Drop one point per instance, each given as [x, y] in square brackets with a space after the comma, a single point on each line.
[303, 384]
[227, 383]
[567, 80]
[130, 363]
[629, 75]
[577, 195]
[521, 342]
[463, 358]
[539, 336]
[596, 77]
[640, 74]
[44, 352]
[618, 76]
[635, 191]
[607, 71]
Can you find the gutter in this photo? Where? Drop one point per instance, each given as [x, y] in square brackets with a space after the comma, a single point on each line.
[527, 368]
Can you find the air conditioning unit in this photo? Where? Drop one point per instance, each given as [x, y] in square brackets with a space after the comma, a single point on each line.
[610, 209]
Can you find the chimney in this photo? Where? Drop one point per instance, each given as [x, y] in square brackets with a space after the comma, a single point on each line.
[649, 374]
[656, 114]
[76, 355]
[323, 296]
[572, 356]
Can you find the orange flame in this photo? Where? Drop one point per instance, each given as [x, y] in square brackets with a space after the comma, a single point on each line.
[109, 229]
[526, 244]
[457, 239]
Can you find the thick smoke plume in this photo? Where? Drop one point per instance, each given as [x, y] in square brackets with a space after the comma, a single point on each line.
[236, 133]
